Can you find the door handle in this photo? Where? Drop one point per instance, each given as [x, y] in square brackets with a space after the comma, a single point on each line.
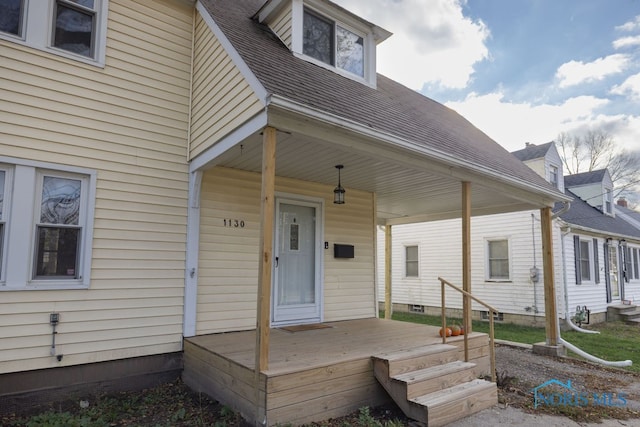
[277, 259]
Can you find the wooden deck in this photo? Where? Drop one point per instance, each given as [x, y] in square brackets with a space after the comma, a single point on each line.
[313, 374]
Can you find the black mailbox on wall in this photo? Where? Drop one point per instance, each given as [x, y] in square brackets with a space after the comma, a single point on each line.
[343, 251]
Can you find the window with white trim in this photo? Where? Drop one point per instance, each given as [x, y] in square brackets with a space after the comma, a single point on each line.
[71, 28]
[4, 202]
[332, 43]
[498, 260]
[553, 176]
[411, 261]
[636, 261]
[59, 220]
[46, 238]
[585, 260]
[608, 201]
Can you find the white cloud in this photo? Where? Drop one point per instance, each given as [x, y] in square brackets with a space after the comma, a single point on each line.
[513, 124]
[575, 72]
[623, 42]
[631, 25]
[630, 87]
[433, 41]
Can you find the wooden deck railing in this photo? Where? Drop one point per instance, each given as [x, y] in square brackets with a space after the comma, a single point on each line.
[492, 311]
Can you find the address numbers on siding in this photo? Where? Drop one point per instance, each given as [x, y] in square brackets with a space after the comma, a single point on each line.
[234, 223]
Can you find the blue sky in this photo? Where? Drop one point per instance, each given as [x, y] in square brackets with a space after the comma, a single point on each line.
[520, 70]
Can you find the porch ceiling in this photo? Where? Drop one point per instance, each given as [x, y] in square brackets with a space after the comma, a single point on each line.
[407, 191]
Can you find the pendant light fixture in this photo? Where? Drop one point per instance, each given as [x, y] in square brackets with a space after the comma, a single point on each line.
[338, 192]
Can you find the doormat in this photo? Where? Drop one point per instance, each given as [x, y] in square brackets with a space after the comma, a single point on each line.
[309, 327]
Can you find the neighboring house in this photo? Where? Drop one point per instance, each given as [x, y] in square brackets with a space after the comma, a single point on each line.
[596, 253]
[168, 176]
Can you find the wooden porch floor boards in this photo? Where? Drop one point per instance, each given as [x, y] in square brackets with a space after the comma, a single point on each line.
[313, 374]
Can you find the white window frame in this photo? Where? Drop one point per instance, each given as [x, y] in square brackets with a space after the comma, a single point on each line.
[38, 28]
[487, 244]
[320, 9]
[405, 260]
[554, 172]
[5, 217]
[590, 258]
[608, 201]
[24, 211]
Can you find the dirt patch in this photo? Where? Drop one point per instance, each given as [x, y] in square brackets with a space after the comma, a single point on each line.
[596, 392]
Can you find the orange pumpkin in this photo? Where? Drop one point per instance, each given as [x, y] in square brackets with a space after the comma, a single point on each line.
[456, 330]
[447, 331]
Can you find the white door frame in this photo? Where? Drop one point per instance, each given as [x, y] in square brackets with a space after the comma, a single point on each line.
[318, 204]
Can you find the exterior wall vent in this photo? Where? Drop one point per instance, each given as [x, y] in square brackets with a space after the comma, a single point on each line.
[416, 308]
[499, 317]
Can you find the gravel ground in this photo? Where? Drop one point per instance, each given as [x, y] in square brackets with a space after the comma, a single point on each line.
[519, 371]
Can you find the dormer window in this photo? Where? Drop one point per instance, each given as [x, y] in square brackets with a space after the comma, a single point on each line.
[326, 35]
[553, 176]
[608, 201]
[332, 44]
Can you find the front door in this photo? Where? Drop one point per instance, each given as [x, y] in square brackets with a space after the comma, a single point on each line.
[614, 274]
[297, 290]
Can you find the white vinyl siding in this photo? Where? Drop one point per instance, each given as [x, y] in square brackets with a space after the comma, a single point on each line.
[441, 256]
[228, 276]
[222, 98]
[128, 122]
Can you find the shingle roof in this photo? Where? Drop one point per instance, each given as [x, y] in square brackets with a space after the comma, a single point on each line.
[582, 214]
[532, 151]
[584, 178]
[390, 108]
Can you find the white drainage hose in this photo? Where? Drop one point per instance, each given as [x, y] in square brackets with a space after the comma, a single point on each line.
[620, 364]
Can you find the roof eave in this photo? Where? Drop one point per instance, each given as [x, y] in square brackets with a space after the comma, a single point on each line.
[451, 162]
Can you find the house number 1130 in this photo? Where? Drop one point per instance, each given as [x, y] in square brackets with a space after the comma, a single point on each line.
[235, 223]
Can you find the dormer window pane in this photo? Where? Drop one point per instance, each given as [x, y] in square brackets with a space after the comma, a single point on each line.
[350, 51]
[553, 176]
[11, 16]
[318, 38]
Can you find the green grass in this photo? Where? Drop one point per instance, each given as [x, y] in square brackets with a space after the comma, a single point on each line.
[616, 340]
[503, 331]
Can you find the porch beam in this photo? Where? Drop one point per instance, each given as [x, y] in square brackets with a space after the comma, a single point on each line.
[266, 250]
[388, 305]
[550, 314]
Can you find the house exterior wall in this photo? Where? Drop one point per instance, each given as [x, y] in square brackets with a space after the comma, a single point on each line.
[228, 272]
[440, 255]
[222, 98]
[282, 26]
[127, 122]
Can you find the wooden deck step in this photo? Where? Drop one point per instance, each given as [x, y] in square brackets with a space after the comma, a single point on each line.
[459, 401]
[436, 378]
[431, 385]
[413, 359]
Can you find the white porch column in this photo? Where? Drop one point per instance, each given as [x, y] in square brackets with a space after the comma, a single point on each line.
[388, 304]
[192, 256]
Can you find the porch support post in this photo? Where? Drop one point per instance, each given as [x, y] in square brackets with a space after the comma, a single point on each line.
[466, 257]
[266, 250]
[551, 318]
[388, 305]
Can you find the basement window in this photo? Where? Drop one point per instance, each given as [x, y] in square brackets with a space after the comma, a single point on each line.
[497, 317]
[416, 308]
